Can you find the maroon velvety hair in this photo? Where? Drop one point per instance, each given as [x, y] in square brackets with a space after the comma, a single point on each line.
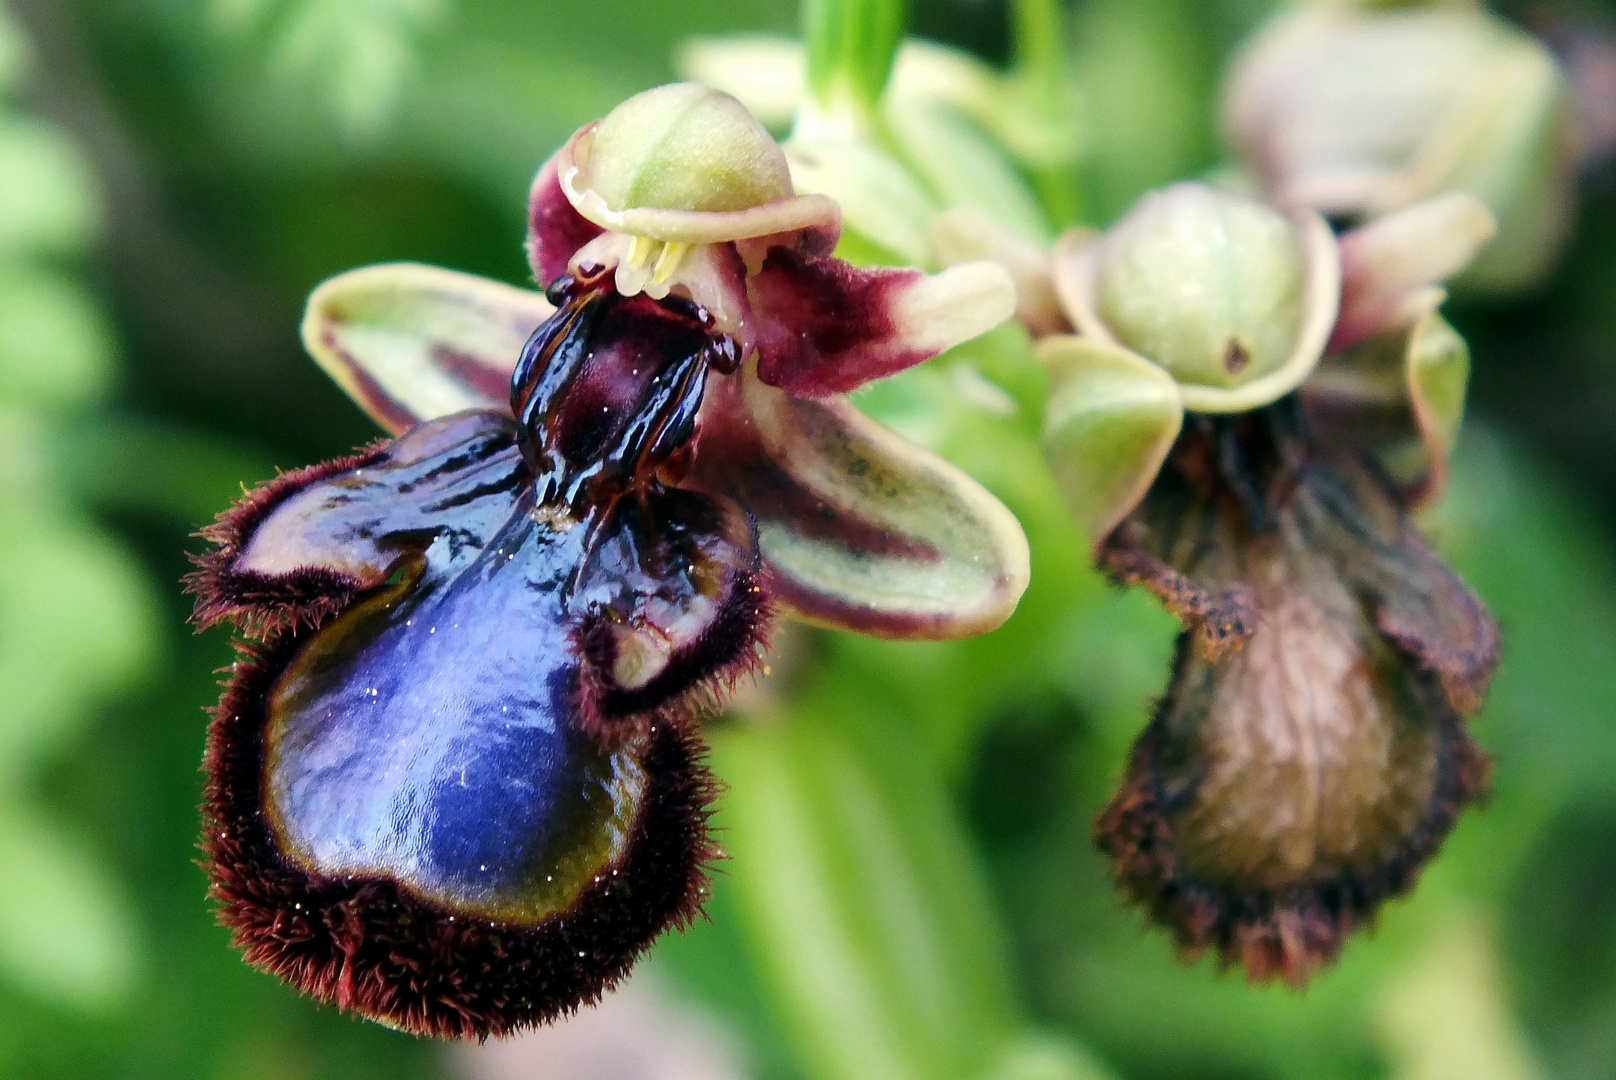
[1292, 932]
[266, 604]
[368, 945]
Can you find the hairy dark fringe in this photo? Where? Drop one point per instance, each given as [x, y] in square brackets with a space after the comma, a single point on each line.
[265, 605]
[697, 677]
[369, 946]
[1291, 933]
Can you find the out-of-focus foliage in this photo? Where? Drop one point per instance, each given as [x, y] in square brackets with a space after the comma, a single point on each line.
[913, 891]
[76, 612]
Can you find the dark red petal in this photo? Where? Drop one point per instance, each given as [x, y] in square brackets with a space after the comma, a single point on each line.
[555, 231]
[826, 327]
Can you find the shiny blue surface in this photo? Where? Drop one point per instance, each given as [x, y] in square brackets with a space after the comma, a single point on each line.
[425, 735]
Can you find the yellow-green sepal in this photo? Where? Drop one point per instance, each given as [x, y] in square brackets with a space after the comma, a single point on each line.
[862, 530]
[1402, 395]
[410, 342]
[1111, 418]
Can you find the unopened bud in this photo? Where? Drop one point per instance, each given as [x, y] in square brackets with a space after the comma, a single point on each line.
[1208, 285]
[685, 147]
[1357, 113]
[1229, 296]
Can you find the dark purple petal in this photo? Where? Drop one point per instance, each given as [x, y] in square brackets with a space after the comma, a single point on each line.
[555, 231]
[826, 327]
[822, 326]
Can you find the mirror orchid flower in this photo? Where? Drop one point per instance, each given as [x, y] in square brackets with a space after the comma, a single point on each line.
[455, 782]
[1249, 410]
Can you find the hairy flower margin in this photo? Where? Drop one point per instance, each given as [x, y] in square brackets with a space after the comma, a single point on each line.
[1249, 409]
[454, 782]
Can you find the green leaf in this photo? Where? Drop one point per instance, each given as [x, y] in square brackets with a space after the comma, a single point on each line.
[356, 57]
[75, 619]
[55, 346]
[961, 164]
[1146, 73]
[857, 896]
[1040, 1056]
[851, 45]
[13, 51]
[48, 199]
[65, 932]
[127, 464]
[1448, 1013]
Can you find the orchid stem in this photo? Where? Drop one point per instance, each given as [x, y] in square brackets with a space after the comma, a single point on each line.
[851, 46]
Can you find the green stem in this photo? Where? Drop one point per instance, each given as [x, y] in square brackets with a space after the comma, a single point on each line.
[851, 46]
[1041, 69]
[1038, 29]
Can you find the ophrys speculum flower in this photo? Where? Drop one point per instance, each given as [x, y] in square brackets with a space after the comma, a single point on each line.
[455, 784]
[1251, 408]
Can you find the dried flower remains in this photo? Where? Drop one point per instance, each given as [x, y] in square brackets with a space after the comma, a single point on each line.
[1249, 413]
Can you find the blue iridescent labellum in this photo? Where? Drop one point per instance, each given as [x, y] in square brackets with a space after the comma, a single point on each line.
[453, 784]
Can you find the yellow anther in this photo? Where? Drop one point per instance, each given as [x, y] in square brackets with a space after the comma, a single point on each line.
[667, 262]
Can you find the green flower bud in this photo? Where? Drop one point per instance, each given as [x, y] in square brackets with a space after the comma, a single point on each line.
[1358, 112]
[1231, 298]
[685, 147]
[1207, 284]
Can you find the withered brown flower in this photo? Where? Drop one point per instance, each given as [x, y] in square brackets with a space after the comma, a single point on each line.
[1310, 753]
[1244, 421]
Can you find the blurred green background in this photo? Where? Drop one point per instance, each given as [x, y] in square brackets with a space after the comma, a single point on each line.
[913, 892]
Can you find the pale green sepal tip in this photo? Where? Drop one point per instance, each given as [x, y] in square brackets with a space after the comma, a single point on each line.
[1438, 372]
[1111, 419]
[385, 332]
[960, 561]
[685, 146]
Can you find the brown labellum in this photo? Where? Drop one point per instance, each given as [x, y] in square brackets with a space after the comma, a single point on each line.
[1311, 753]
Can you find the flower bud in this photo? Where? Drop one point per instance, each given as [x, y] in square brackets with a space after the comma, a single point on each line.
[685, 147]
[1358, 113]
[1231, 297]
[1206, 284]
